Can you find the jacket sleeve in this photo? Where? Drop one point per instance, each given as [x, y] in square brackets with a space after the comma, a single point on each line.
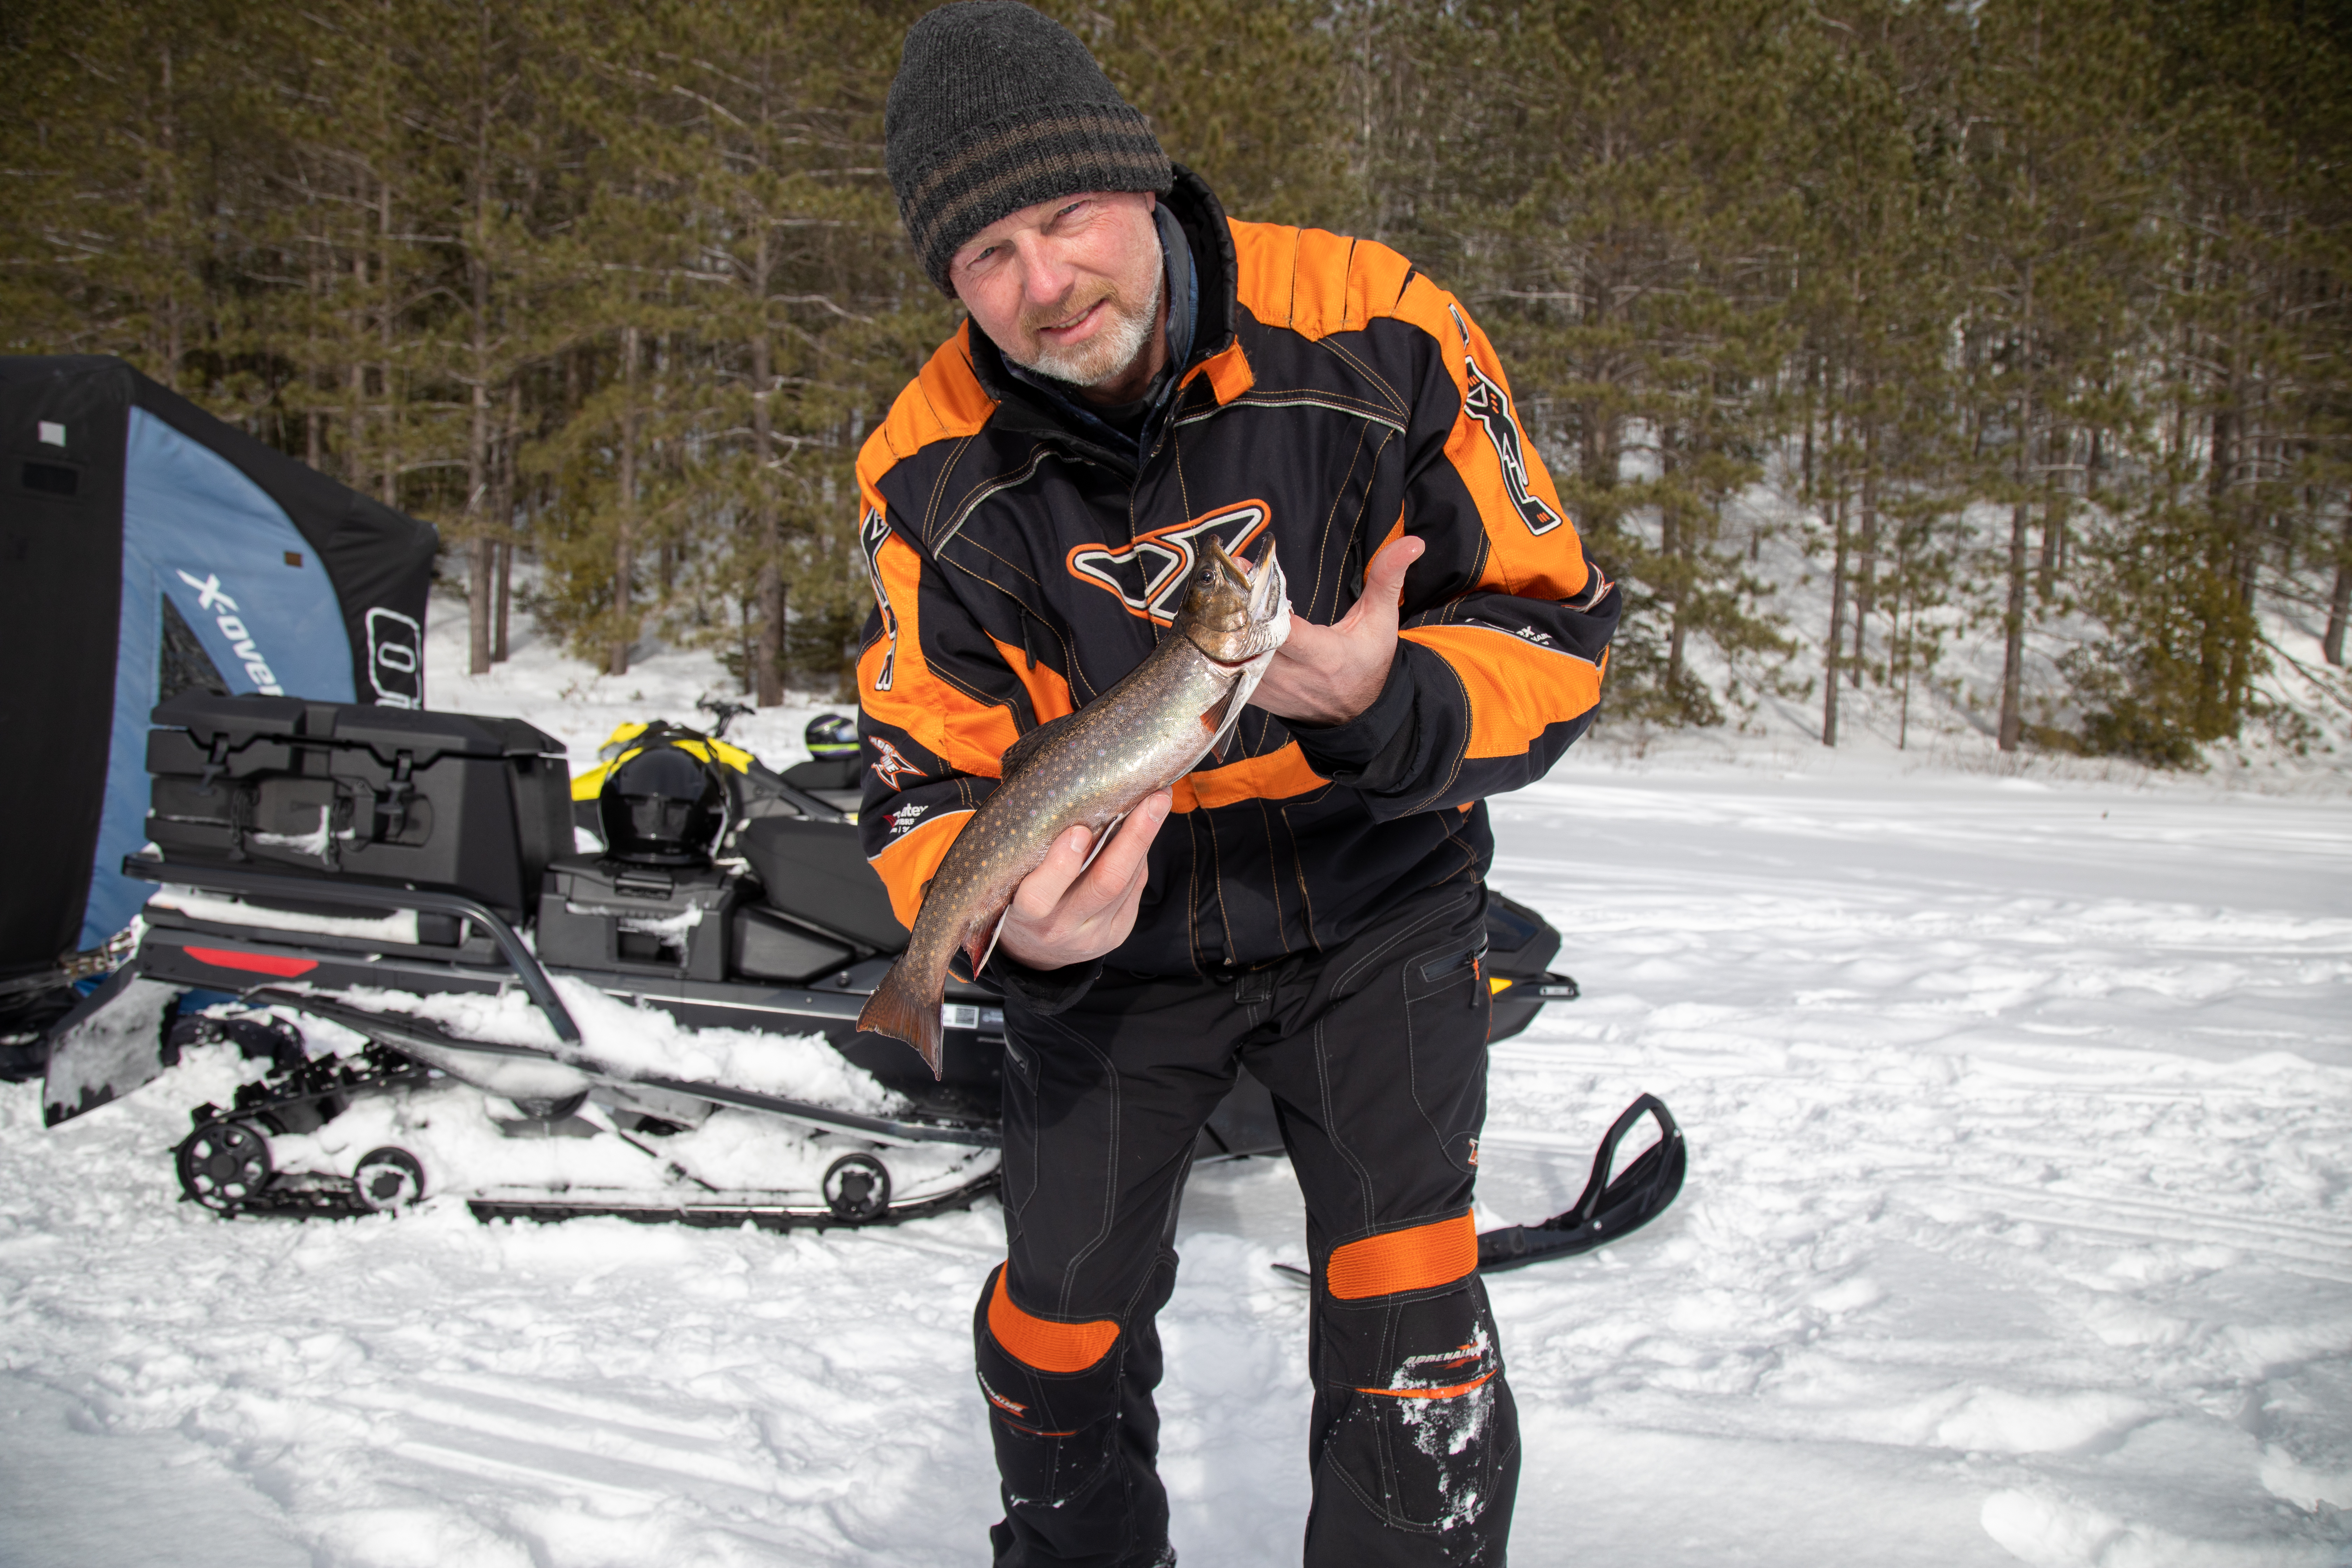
[1506, 620]
[938, 704]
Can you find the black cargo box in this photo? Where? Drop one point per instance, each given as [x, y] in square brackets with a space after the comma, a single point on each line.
[598, 913]
[397, 796]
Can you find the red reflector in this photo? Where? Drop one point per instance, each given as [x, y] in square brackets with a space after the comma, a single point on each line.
[257, 962]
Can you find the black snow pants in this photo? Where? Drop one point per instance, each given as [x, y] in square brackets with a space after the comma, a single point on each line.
[1375, 1052]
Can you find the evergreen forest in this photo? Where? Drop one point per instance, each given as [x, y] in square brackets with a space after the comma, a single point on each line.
[2032, 313]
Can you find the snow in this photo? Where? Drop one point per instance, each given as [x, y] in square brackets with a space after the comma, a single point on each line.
[2017, 1229]
[628, 1038]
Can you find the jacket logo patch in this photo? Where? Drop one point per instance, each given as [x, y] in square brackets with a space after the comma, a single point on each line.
[1150, 576]
[872, 529]
[1490, 405]
[906, 816]
[890, 763]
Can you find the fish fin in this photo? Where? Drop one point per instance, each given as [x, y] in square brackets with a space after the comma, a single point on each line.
[1101, 838]
[977, 955]
[1219, 720]
[1019, 755]
[900, 1008]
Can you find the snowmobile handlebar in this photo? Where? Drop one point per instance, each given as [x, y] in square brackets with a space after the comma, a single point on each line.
[364, 896]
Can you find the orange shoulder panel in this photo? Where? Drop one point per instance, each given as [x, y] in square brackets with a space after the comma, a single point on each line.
[1548, 565]
[1266, 255]
[1313, 281]
[944, 402]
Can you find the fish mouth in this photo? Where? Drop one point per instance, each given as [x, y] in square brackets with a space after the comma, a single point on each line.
[1264, 624]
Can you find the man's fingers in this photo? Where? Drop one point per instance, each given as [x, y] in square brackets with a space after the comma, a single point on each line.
[1123, 860]
[1057, 893]
[1041, 889]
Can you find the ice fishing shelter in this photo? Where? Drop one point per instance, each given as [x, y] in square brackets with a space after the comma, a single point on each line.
[147, 549]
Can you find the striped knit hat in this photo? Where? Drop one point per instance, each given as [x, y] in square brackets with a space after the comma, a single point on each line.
[995, 107]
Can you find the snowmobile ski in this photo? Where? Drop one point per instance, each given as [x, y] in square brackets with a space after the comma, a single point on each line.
[1608, 1209]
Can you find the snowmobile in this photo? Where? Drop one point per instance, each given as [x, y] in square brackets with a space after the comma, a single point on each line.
[448, 966]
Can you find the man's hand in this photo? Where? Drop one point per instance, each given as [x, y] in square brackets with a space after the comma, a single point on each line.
[1058, 917]
[1327, 675]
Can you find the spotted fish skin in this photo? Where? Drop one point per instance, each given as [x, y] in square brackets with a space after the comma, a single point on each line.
[1087, 769]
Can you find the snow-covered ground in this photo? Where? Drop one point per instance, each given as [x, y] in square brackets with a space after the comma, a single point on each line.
[2018, 1228]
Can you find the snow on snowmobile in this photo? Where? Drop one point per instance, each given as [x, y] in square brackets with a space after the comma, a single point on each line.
[432, 986]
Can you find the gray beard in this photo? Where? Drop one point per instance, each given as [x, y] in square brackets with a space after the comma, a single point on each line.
[1111, 352]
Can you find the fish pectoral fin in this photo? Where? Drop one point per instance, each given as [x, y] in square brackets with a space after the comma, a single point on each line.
[978, 955]
[1019, 755]
[1101, 838]
[1219, 720]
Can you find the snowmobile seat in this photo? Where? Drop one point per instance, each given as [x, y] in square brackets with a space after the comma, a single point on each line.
[816, 871]
[832, 780]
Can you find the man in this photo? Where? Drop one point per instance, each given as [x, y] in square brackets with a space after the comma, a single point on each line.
[1140, 376]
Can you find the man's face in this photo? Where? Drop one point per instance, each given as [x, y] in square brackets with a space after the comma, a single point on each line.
[1070, 287]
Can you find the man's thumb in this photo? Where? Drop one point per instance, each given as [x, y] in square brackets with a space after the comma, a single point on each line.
[1384, 582]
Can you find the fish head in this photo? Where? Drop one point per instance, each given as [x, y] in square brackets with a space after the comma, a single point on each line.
[1233, 612]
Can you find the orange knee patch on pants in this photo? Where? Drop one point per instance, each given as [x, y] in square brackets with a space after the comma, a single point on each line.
[1045, 1345]
[1414, 1258]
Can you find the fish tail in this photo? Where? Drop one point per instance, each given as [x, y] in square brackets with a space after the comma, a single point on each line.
[904, 1007]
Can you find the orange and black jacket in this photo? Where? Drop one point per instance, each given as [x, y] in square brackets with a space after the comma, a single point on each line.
[1024, 559]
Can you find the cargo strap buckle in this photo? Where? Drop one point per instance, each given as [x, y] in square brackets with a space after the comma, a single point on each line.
[216, 764]
[397, 796]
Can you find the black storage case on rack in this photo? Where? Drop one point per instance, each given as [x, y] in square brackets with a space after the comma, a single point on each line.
[605, 914]
[448, 801]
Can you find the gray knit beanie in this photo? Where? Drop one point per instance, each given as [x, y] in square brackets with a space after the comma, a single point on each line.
[995, 107]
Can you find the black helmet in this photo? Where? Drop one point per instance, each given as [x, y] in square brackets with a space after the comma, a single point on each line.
[831, 735]
[663, 806]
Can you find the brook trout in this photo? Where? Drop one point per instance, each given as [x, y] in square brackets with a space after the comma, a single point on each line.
[1089, 767]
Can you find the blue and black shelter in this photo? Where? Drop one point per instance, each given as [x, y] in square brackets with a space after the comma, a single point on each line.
[147, 549]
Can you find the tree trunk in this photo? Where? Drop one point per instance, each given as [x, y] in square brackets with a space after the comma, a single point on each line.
[384, 324]
[502, 513]
[2013, 662]
[623, 631]
[2339, 603]
[480, 594]
[482, 589]
[1670, 548]
[1834, 641]
[1866, 586]
[2053, 527]
[505, 597]
[766, 671]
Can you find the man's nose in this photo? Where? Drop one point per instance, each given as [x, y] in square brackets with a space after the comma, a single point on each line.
[1045, 278]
